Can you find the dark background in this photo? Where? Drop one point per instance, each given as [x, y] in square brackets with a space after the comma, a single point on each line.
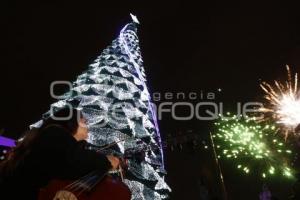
[186, 46]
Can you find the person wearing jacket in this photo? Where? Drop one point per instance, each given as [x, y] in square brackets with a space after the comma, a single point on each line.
[52, 151]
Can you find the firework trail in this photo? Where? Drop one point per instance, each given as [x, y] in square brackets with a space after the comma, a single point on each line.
[252, 146]
[283, 104]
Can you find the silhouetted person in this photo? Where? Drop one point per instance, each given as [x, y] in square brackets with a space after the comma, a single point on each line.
[50, 152]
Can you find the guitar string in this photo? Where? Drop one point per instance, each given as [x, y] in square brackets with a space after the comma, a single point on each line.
[77, 182]
[71, 184]
[92, 185]
[87, 178]
[83, 183]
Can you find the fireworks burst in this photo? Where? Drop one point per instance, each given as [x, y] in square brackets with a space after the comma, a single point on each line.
[253, 146]
[283, 104]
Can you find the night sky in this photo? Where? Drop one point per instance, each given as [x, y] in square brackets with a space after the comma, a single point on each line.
[186, 47]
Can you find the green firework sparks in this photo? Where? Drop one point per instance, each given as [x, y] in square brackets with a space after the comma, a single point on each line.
[254, 147]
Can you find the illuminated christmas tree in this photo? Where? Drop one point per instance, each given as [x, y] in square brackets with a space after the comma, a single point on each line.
[114, 99]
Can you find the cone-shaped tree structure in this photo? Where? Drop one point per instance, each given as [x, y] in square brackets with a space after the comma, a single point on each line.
[114, 99]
